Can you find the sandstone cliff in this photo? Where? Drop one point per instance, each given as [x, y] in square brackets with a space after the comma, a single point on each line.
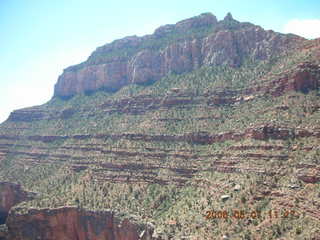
[182, 47]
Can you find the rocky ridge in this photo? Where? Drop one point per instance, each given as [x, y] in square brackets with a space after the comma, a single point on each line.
[141, 60]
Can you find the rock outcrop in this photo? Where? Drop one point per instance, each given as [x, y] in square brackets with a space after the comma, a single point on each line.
[72, 223]
[172, 49]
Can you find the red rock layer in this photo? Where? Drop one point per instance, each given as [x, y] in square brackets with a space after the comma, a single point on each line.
[70, 223]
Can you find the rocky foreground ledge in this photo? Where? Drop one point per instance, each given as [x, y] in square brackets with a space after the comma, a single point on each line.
[64, 223]
[72, 223]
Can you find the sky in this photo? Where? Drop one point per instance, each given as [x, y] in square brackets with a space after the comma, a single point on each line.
[39, 38]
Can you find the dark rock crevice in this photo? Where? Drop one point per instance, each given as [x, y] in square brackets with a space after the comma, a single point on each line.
[3, 217]
[10, 195]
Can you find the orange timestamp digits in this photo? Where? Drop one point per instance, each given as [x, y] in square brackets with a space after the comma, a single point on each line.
[242, 214]
[238, 214]
[216, 214]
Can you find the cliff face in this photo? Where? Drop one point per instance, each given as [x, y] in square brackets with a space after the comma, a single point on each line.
[71, 223]
[144, 60]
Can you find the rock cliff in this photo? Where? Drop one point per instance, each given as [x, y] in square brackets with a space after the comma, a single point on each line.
[182, 47]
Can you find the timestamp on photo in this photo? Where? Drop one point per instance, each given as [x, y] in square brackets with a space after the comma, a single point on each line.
[253, 214]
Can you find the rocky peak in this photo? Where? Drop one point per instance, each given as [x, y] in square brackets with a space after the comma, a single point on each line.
[229, 23]
[228, 17]
[203, 20]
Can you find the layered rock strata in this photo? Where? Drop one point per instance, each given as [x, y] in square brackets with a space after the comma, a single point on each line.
[80, 156]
